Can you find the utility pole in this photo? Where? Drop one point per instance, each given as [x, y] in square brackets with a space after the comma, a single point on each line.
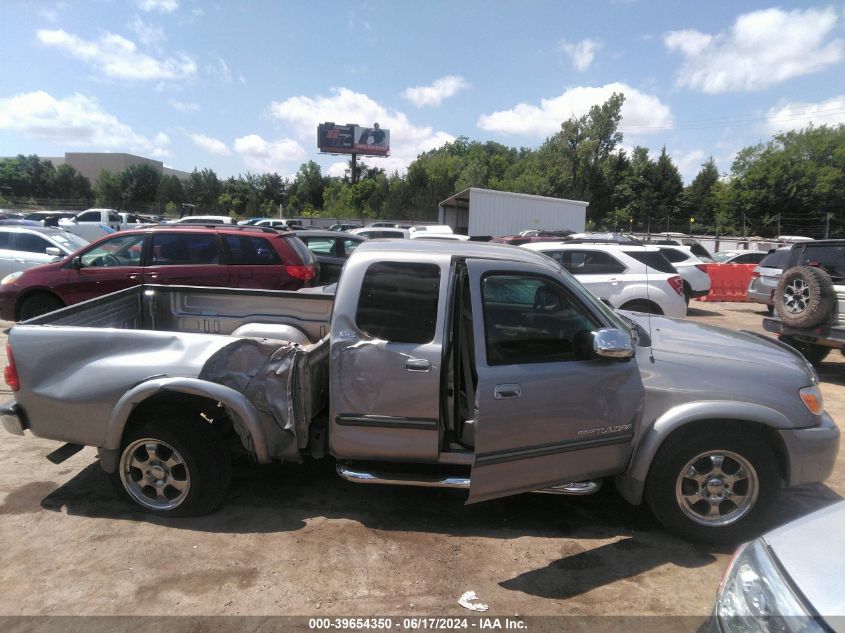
[778, 223]
[827, 226]
[743, 225]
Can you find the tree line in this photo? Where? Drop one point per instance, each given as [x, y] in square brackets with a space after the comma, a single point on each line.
[792, 184]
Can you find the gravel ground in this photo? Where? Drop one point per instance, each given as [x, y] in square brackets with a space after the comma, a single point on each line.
[296, 540]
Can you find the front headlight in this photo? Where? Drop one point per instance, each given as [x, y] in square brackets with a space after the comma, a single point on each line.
[10, 278]
[755, 596]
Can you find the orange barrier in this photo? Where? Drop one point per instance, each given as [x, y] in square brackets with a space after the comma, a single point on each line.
[728, 282]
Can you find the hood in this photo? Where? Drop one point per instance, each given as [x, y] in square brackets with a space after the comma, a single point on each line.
[812, 552]
[681, 339]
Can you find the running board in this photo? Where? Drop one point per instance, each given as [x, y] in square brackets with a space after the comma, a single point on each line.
[577, 488]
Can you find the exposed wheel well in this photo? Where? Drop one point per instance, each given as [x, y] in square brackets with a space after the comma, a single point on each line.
[183, 404]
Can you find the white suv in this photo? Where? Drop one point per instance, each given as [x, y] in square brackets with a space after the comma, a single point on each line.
[691, 268]
[629, 277]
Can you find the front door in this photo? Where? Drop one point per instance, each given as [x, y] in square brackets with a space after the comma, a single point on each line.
[546, 411]
[111, 265]
[386, 359]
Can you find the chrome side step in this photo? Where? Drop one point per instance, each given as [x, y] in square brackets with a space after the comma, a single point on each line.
[578, 488]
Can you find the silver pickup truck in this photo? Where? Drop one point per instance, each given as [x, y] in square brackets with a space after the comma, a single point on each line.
[475, 366]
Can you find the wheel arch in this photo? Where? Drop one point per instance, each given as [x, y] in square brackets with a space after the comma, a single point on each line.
[762, 421]
[642, 301]
[181, 393]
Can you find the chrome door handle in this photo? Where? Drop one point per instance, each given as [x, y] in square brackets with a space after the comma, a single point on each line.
[504, 392]
[152, 275]
[418, 364]
[133, 276]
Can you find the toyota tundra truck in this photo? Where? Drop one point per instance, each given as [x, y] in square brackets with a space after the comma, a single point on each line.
[461, 365]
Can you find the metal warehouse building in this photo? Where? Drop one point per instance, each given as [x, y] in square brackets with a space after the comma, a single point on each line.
[484, 212]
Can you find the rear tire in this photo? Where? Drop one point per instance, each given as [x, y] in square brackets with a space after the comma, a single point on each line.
[717, 484]
[36, 305]
[173, 464]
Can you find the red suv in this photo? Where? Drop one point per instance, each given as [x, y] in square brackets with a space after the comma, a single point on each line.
[191, 255]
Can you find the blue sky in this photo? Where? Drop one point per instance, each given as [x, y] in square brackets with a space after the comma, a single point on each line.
[240, 86]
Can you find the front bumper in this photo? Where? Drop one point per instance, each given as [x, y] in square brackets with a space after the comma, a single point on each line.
[13, 418]
[812, 451]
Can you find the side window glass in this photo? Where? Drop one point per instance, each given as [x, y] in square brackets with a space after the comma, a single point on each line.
[531, 319]
[247, 250]
[5, 240]
[589, 263]
[398, 302]
[349, 246]
[123, 250]
[89, 216]
[616, 266]
[171, 249]
[114, 217]
[31, 243]
[320, 245]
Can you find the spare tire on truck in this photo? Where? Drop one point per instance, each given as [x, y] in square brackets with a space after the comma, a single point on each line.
[804, 296]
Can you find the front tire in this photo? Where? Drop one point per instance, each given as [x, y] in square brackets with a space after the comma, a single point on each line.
[174, 465]
[39, 304]
[716, 485]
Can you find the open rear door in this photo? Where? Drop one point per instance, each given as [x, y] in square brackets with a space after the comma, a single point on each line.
[546, 411]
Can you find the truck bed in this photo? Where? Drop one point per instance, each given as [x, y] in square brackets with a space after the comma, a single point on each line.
[80, 368]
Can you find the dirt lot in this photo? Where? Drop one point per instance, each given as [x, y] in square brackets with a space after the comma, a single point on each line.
[294, 540]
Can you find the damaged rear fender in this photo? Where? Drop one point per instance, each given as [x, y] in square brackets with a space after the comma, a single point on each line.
[244, 412]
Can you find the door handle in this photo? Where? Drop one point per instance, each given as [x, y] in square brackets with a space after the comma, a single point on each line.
[418, 364]
[505, 392]
[152, 275]
[133, 276]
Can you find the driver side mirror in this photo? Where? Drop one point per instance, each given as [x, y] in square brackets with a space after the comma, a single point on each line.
[53, 252]
[76, 262]
[612, 344]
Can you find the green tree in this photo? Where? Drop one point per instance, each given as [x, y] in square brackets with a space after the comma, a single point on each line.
[306, 190]
[203, 189]
[108, 190]
[139, 185]
[68, 184]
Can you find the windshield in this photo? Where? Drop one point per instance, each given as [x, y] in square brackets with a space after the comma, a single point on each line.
[724, 256]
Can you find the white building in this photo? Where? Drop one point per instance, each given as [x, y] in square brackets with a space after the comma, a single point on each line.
[485, 212]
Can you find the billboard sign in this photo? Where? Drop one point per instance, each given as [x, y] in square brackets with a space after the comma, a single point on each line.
[353, 139]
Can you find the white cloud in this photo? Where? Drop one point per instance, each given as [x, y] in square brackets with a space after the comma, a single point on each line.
[346, 106]
[209, 144]
[119, 58]
[77, 121]
[435, 94]
[337, 170]
[148, 34]
[582, 53]
[761, 49]
[641, 113]
[794, 116]
[269, 156]
[184, 106]
[160, 6]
